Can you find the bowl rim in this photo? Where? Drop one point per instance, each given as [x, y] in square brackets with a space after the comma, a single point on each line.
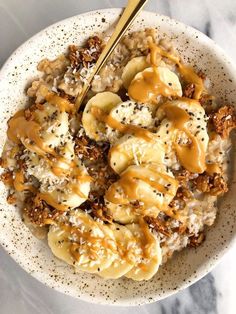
[225, 59]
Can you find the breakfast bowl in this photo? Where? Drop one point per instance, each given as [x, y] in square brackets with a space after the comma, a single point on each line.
[34, 255]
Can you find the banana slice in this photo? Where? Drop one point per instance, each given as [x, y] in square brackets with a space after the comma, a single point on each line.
[129, 112]
[122, 213]
[86, 244]
[59, 243]
[153, 82]
[54, 125]
[196, 127]
[56, 189]
[130, 150]
[126, 245]
[134, 66]
[95, 129]
[148, 252]
[70, 194]
[150, 185]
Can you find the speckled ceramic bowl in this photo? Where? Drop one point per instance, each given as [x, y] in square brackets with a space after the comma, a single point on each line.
[34, 255]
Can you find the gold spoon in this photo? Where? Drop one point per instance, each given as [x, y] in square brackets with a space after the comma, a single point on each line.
[132, 9]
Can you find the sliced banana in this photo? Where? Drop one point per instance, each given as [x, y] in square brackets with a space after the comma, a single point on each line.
[95, 129]
[154, 82]
[59, 243]
[122, 213]
[54, 124]
[197, 126]
[87, 244]
[129, 112]
[130, 150]
[56, 188]
[126, 246]
[70, 193]
[148, 251]
[134, 66]
[151, 185]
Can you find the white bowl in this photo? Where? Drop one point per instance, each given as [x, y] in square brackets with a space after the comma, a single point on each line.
[34, 255]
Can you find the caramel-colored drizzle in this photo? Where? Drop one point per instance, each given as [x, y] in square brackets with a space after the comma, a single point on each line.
[50, 201]
[128, 185]
[213, 168]
[192, 156]
[187, 72]
[28, 132]
[86, 236]
[19, 182]
[148, 86]
[100, 115]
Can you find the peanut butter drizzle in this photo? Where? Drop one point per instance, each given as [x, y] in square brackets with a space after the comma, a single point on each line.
[20, 129]
[213, 168]
[86, 235]
[147, 243]
[128, 184]
[149, 86]
[192, 156]
[187, 72]
[19, 182]
[50, 201]
[63, 104]
[123, 128]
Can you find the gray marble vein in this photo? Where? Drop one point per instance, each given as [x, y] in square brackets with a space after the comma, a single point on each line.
[22, 294]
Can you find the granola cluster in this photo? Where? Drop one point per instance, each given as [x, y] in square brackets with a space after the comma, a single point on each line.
[224, 120]
[86, 55]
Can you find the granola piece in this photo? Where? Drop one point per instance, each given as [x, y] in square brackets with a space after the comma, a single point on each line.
[3, 163]
[88, 149]
[11, 198]
[213, 184]
[183, 193]
[224, 120]
[196, 240]
[39, 212]
[72, 55]
[189, 90]
[86, 55]
[7, 178]
[96, 207]
[183, 176]
[103, 176]
[158, 225]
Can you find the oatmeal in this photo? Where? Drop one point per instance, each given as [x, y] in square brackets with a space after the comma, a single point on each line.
[133, 175]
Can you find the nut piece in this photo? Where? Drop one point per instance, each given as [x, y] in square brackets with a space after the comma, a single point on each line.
[158, 225]
[11, 199]
[39, 212]
[183, 176]
[195, 241]
[86, 55]
[213, 184]
[87, 149]
[224, 120]
[189, 90]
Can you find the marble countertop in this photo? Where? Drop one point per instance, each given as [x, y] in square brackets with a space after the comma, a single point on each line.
[22, 294]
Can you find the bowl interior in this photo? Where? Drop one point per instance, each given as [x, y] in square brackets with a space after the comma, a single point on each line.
[34, 255]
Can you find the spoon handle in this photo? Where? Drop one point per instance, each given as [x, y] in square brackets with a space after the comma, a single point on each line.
[132, 9]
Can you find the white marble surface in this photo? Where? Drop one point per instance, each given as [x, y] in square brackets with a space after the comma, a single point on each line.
[22, 294]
